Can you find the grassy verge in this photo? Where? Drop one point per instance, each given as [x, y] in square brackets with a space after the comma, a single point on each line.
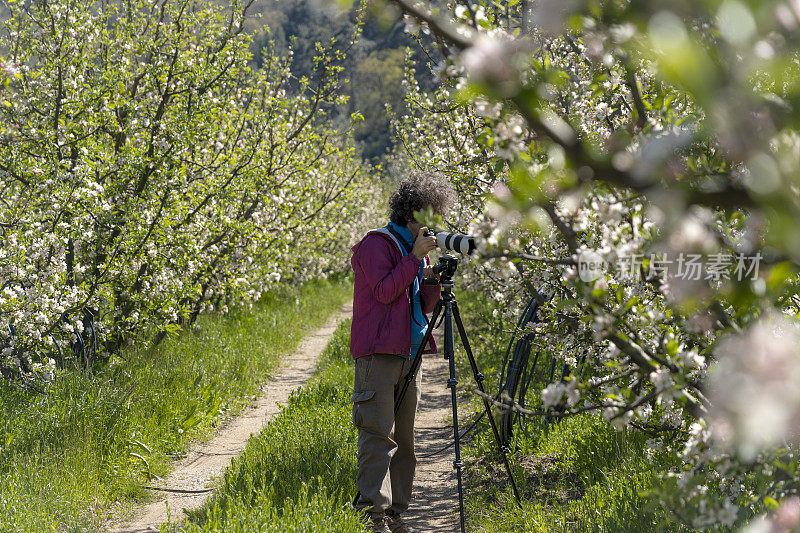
[298, 475]
[77, 453]
[578, 474]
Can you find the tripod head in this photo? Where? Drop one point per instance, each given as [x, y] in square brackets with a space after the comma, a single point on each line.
[446, 268]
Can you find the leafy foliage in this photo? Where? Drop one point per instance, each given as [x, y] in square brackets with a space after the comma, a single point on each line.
[373, 67]
[149, 173]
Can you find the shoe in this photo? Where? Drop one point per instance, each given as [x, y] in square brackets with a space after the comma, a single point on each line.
[396, 524]
[378, 522]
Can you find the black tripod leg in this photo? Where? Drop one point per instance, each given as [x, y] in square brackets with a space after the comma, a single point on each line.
[479, 380]
[412, 372]
[449, 352]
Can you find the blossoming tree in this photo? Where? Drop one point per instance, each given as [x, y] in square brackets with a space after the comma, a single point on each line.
[642, 163]
[148, 173]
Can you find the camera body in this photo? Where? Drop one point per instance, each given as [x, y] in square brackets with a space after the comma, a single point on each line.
[446, 269]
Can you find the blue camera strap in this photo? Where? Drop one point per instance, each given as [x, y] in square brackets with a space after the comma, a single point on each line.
[414, 288]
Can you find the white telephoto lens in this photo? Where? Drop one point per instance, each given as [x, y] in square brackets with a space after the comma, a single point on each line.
[463, 244]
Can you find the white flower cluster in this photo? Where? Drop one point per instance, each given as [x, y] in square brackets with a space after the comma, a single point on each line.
[753, 392]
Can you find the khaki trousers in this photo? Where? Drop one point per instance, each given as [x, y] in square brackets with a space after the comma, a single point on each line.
[386, 459]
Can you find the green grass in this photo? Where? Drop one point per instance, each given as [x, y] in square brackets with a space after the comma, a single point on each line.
[577, 474]
[80, 451]
[298, 475]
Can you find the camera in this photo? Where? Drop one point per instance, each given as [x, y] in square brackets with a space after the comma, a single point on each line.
[446, 269]
[453, 242]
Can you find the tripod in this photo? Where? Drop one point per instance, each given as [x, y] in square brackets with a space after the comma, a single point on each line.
[447, 304]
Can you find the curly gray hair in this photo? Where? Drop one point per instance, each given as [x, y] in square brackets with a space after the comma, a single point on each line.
[418, 191]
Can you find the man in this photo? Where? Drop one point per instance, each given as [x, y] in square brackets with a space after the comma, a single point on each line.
[390, 305]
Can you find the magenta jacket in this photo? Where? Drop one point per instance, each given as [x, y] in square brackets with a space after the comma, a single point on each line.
[381, 316]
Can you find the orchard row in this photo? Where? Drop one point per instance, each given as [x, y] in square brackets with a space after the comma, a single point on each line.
[148, 173]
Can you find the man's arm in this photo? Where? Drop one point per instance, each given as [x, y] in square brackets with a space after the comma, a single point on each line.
[387, 281]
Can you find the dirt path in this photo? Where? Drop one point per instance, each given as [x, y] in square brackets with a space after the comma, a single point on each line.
[209, 460]
[434, 507]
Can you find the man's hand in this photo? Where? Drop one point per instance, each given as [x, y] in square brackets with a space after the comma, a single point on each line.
[423, 244]
[428, 273]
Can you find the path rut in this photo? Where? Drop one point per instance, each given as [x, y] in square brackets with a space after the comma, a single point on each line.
[207, 461]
